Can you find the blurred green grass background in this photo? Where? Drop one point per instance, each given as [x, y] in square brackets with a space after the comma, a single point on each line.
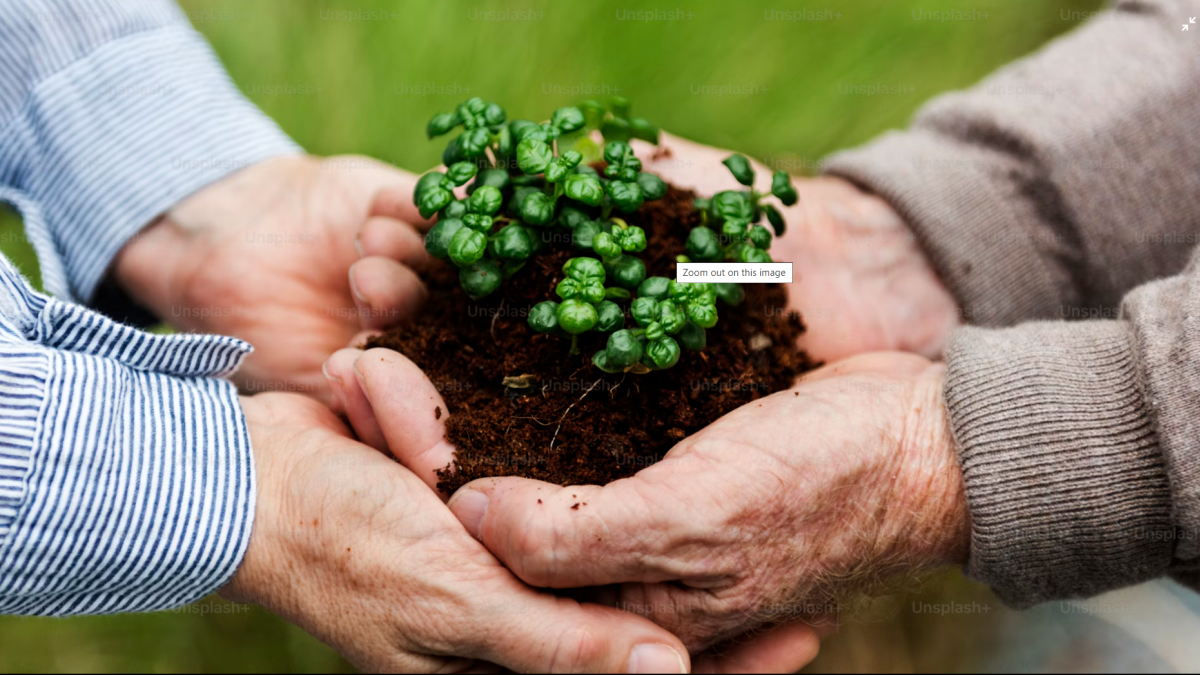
[774, 78]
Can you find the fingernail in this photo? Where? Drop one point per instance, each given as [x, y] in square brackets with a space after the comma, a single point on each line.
[354, 286]
[362, 381]
[656, 658]
[337, 387]
[365, 311]
[471, 508]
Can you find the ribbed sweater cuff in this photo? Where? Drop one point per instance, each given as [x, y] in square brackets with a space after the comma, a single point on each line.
[1067, 488]
[972, 221]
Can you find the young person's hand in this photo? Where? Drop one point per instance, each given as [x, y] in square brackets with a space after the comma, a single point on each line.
[263, 255]
[861, 281]
[355, 549]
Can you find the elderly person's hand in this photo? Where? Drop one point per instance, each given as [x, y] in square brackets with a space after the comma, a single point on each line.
[773, 513]
[262, 255]
[355, 549]
[862, 282]
[409, 425]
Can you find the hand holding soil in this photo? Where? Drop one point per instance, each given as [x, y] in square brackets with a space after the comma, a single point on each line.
[355, 549]
[386, 398]
[863, 283]
[774, 502]
[262, 255]
[776, 512]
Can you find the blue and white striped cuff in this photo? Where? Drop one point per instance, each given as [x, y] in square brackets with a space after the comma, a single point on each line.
[126, 474]
[140, 493]
[119, 137]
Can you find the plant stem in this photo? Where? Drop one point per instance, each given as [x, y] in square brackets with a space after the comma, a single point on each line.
[574, 345]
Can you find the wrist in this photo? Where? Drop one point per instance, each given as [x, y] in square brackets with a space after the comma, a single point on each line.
[146, 267]
[930, 496]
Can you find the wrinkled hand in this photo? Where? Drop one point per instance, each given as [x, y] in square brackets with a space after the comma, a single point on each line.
[355, 549]
[861, 281]
[773, 512]
[262, 255]
[408, 424]
[776, 510]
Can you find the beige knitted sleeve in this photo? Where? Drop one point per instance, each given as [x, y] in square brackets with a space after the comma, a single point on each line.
[1051, 192]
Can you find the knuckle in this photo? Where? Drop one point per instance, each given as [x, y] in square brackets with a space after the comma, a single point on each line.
[535, 550]
[579, 650]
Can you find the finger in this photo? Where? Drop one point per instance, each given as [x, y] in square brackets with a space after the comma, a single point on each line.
[785, 648]
[539, 633]
[393, 239]
[359, 341]
[385, 292]
[555, 537]
[407, 409]
[386, 189]
[397, 202]
[393, 194]
[892, 363]
[350, 400]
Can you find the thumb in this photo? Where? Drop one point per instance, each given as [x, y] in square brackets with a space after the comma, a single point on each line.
[899, 364]
[556, 537]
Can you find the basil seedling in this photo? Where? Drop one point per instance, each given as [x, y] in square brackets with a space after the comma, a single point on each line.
[585, 303]
[523, 186]
[530, 185]
[730, 227]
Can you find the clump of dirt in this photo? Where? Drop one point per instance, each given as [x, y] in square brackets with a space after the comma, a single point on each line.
[520, 405]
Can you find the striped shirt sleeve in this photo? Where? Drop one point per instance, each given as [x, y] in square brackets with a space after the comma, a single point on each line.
[126, 474]
[111, 112]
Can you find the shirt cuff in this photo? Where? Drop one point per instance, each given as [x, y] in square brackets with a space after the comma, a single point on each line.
[117, 138]
[965, 207]
[126, 475]
[1067, 487]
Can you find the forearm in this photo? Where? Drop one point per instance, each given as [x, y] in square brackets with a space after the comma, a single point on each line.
[1079, 445]
[1036, 206]
[118, 111]
[126, 477]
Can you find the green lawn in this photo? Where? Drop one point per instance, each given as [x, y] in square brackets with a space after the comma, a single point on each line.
[783, 80]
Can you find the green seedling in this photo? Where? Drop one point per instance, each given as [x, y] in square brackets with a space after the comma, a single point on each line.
[731, 228]
[514, 188]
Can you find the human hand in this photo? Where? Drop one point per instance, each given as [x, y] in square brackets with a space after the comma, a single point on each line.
[356, 550]
[263, 256]
[862, 283]
[778, 510]
[411, 424]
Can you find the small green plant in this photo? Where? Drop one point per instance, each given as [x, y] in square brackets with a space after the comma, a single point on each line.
[521, 191]
[530, 185]
[737, 214]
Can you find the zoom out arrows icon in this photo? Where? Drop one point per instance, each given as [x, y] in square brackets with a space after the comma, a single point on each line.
[1191, 21]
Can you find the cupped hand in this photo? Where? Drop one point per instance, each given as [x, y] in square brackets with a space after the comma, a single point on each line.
[779, 509]
[861, 282]
[263, 255]
[758, 524]
[775, 512]
[355, 549]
